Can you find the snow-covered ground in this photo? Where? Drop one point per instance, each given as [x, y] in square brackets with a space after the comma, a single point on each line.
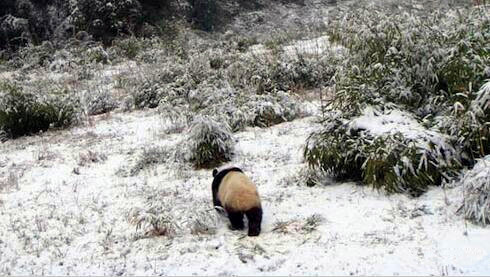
[67, 200]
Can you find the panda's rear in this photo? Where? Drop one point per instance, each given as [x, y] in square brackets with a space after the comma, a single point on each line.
[238, 195]
[238, 191]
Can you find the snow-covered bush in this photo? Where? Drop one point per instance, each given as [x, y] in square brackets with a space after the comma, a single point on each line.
[390, 151]
[476, 185]
[470, 123]
[214, 84]
[307, 176]
[33, 56]
[273, 108]
[203, 222]
[177, 117]
[85, 158]
[126, 47]
[169, 84]
[149, 95]
[210, 143]
[153, 222]
[266, 73]
[98, 102]
[431, 65]
[187, 96]
[302, 226]
[229, 111]
[419, 72]
[24, 113]
[241, 109]
[97, 54]
[105, 19]
[167, 215]
[153, 156]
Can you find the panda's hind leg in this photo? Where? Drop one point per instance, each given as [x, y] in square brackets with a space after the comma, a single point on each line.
[236, 220]
[254, 217]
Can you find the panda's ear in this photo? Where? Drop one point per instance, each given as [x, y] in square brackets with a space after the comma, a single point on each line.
[215, 172]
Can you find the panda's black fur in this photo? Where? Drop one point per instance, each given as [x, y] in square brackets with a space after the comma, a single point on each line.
[237, 185]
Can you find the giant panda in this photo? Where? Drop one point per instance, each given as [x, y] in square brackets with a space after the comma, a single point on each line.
[237, 194]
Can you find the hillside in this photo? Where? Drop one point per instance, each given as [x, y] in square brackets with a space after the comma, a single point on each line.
[369, 152]
[55, 221]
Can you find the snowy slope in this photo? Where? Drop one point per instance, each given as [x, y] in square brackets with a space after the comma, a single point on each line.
[65, 211]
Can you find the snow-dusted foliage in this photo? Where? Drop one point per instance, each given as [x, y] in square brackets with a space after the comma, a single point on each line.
[390, 151]
[106, 19]
[32, 56]
[430, 65]
[167, 213]
[23, 112]
[308, 176]
[153, 156]
[196, 85]
[147, 96]
[210, 143]
[469, 122]
[418, 71]
[280, 71]
[98, 101]
[240, 110]
[153, 221]
[476, 185]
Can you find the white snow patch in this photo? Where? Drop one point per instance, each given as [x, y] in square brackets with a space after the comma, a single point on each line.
[396, 121]
[315, 46]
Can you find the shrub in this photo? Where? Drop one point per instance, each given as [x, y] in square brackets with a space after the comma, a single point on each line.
[307, 176]
[97, 54]
[240, 109]
[147, 96]
[301, 226]
[33, 56]
[470, 123]
[107, 19]
[266, 73]
[203, 222]
[153, 222]
[88, 157]
[210, 143]
[419, 66]
[427, 65]
[332, 150]
[177, 117]
[23, 113]
[127, 47]
[476, 186]
[153, 156]
[389, 151]
[98, 102]
[273, 109]
[169, 84]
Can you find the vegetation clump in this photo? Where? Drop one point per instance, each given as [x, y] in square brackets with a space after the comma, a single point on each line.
[386, 151]
[25, 113]
[210, 143]
[476, 186]
[426, 72]
[153, 156]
